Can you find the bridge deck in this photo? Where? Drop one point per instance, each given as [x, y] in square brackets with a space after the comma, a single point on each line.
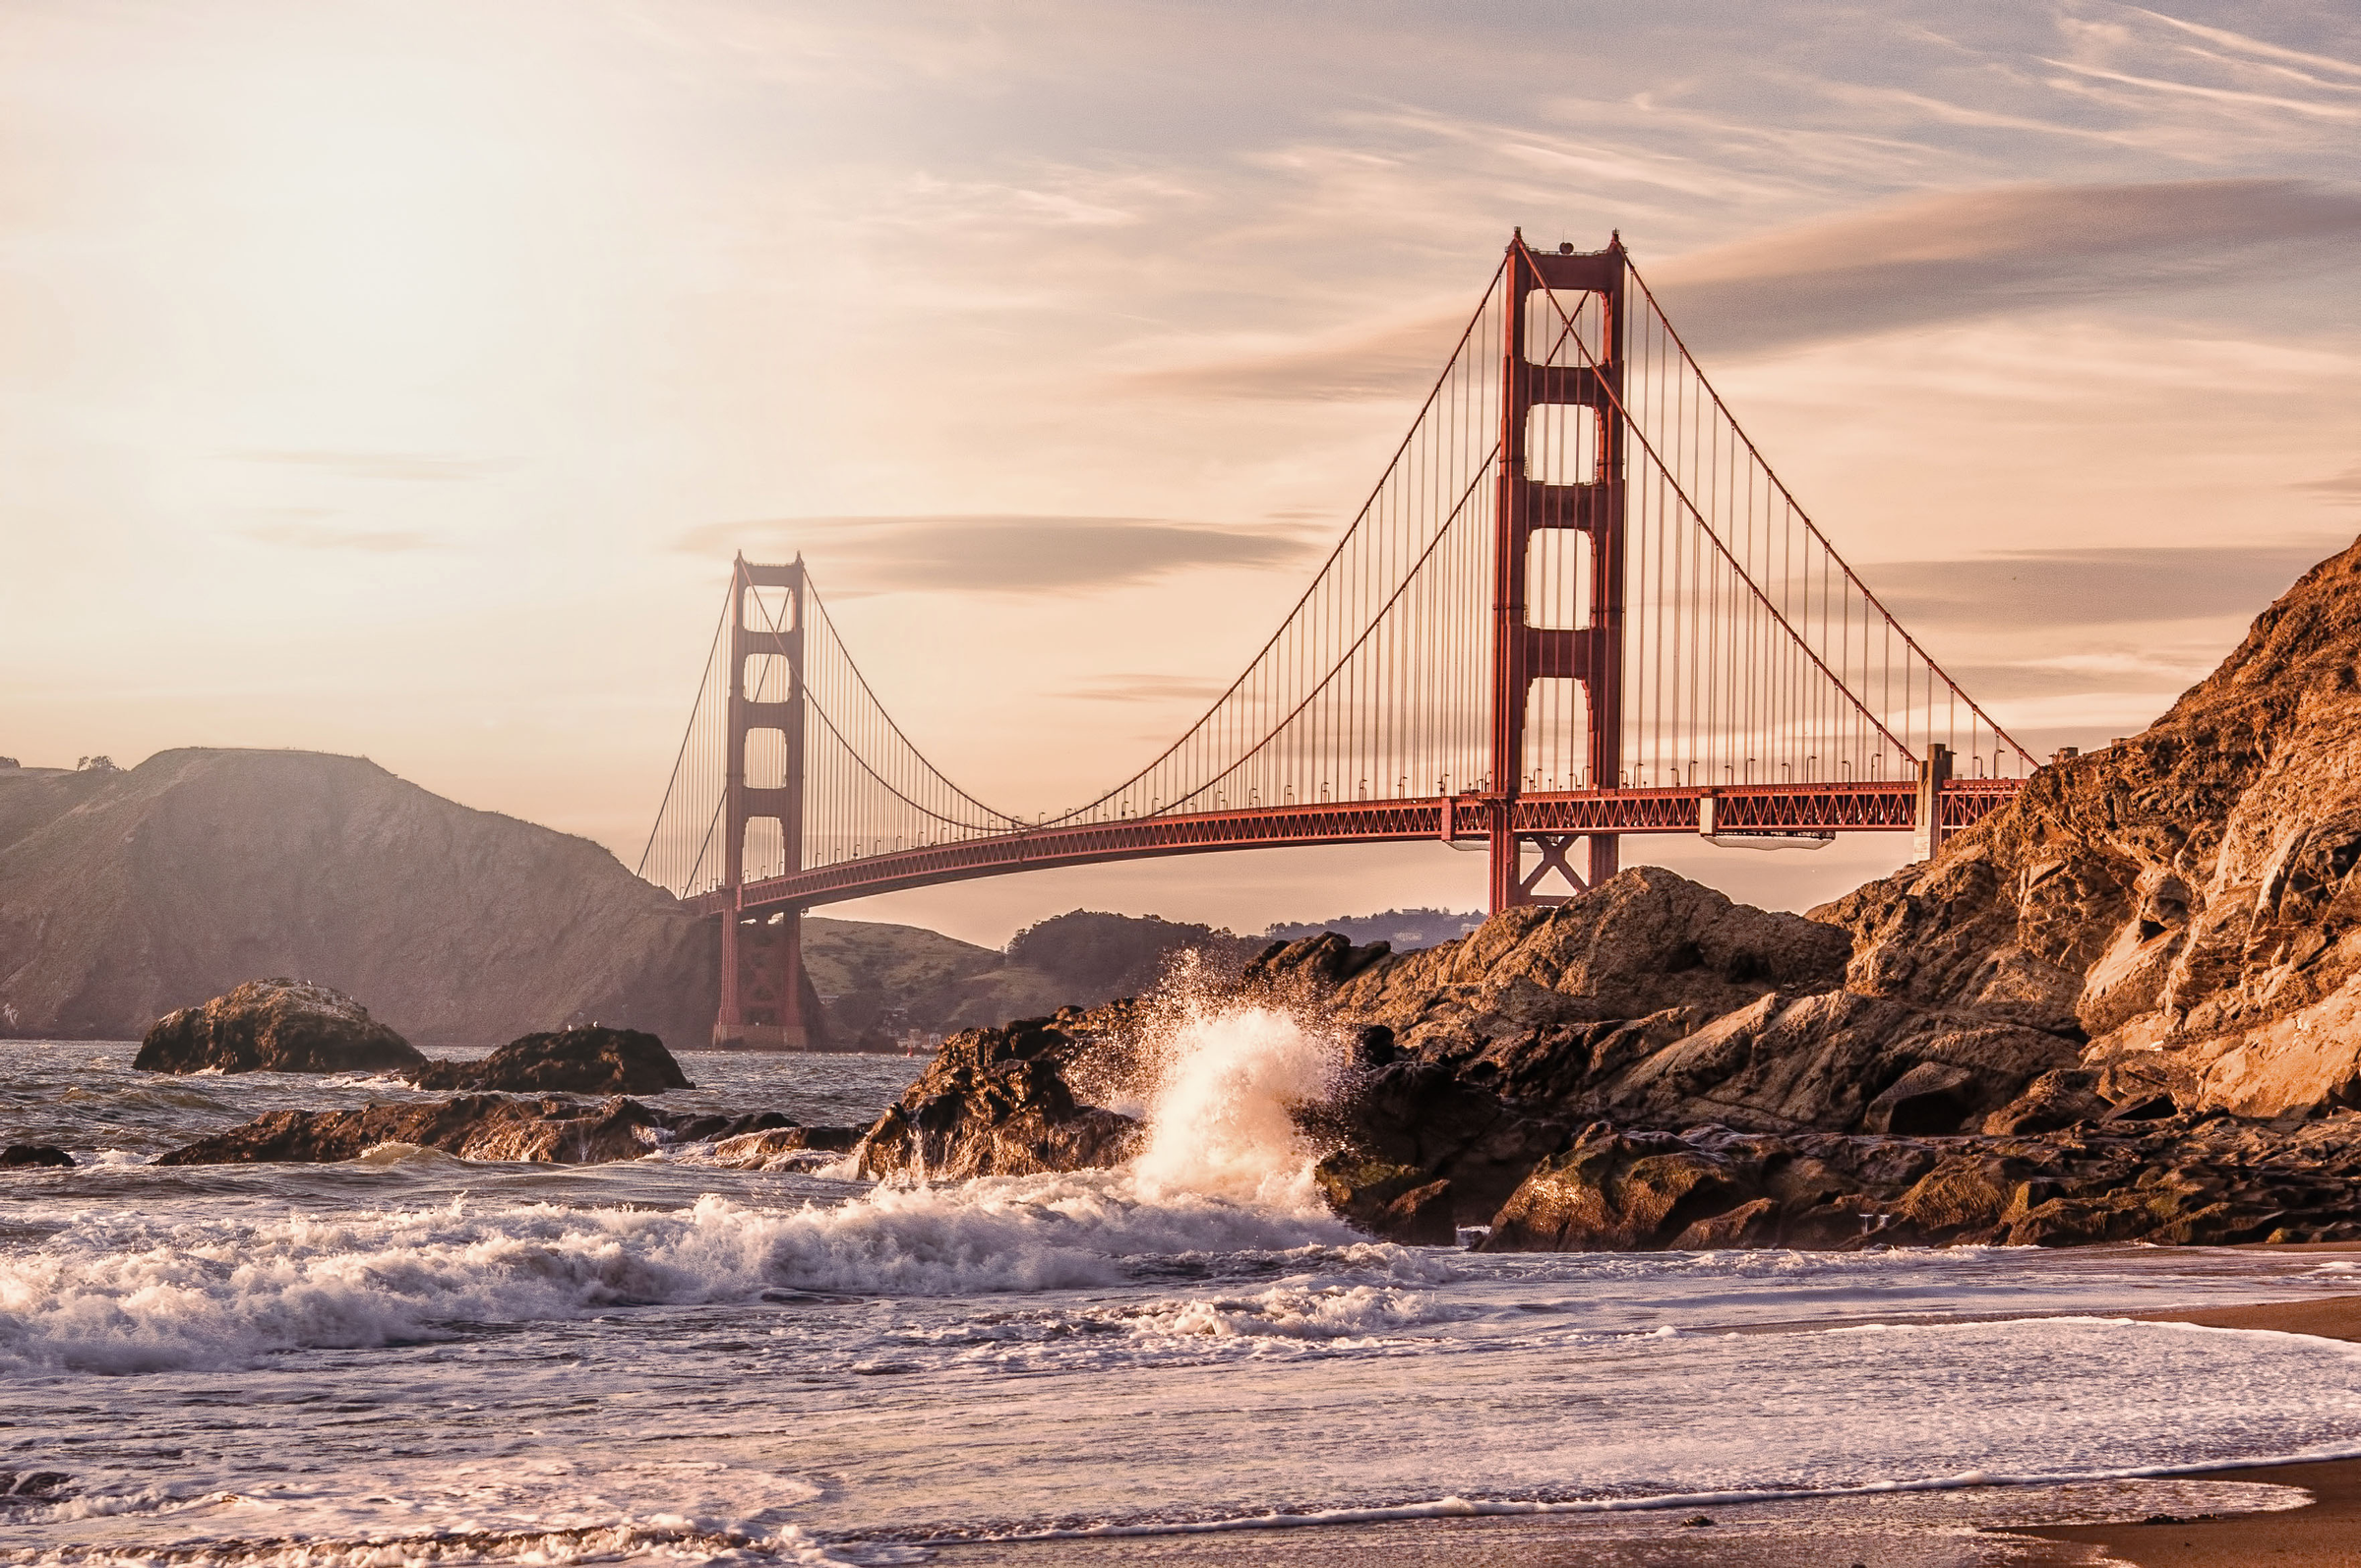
[1871, 808]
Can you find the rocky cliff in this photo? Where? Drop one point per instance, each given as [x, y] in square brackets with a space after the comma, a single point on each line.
[124, 895]
[2185, 901]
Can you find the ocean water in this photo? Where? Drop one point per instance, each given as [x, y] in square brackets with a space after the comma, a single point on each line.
[411, 1359]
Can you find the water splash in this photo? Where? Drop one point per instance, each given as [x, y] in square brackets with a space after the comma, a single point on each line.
[1230, 1072]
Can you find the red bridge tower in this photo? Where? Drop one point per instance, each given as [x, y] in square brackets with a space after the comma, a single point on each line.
[1545, 307]
[768, 1002]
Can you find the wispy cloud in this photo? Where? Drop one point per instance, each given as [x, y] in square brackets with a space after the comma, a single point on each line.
[400, 465]
[2309, 68]
[1916, 262]
[1397, 361]
[1006, 554]
[2344, 487]
[2090, 587]
[1971, 253]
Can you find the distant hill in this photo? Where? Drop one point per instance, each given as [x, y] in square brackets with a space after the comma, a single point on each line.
[882, 981]
[1405, 928]
[124, 895]
[878, 982]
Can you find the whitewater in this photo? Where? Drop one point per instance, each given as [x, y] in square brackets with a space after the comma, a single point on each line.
[413, 1359]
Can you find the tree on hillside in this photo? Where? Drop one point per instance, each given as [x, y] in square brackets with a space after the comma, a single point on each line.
[1404, 929]
[1100, 956]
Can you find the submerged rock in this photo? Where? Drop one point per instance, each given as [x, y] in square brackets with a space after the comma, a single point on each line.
[548, 1129]
[29, 1488]
[33, 1157]
[782, 1148]
[274, 1026]
[586, 1059]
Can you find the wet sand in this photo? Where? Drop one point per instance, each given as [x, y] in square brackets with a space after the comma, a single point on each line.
[2326, 1534]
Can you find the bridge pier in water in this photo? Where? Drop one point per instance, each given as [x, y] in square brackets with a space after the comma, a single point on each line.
[767, 1001]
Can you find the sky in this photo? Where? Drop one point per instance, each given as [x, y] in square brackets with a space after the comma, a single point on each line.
[398, 378]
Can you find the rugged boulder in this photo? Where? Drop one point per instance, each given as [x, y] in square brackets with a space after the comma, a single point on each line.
[589, 1059]
[1647, 942]
[276, 1026]
[998, 1102]
[33, 1157]
[2212, 1182]
[549, 1130]
[1412, 1129]
[2189, 901]
[1656, 1002]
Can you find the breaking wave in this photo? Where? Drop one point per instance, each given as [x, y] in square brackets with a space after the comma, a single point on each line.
[98, 1298]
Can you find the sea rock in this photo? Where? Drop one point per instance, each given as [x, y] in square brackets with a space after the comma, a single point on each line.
[2051, 1102]
[276, 1026]
[1325, 959]
[547, 1129]
[1617, 1192]
[1398, 1202]
[1657, 1002]
[2187, 901]
[997, 1102]
[1837, 1061]
[1411, 1129]
[2204, 1182]
[1646, 942]
[588, 1060]
[33, 1157]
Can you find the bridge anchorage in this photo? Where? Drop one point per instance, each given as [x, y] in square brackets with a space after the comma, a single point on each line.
[1577, 605]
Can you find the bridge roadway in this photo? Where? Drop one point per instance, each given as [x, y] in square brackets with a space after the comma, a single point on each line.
[1869, 807]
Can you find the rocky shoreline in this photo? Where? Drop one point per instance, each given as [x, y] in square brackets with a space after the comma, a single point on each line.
[2124, 1007]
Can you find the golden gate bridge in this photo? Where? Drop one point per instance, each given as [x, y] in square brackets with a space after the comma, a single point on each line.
[1578, 604]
